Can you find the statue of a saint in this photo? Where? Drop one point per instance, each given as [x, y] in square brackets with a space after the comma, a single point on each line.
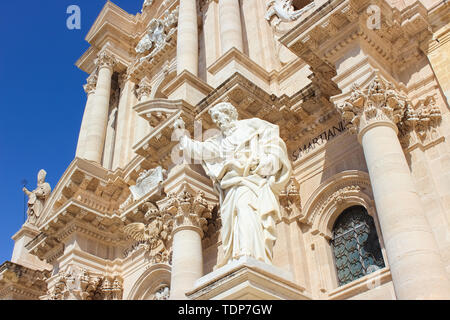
[249, 166]
[37, 197]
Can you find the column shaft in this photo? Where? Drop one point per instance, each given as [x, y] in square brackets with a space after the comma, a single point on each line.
[414, 259]
[123, 127]
[82, 138]
[99, 116]
[187, 43]
[187, 262]
[230, 25]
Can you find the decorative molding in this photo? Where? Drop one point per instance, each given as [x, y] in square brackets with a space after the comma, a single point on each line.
[337, 193]
[18, 280]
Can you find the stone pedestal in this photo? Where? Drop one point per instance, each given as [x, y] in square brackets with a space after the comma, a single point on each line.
[21, 255]
[247, 279]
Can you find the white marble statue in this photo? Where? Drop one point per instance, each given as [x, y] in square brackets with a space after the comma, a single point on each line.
[37, 197]
[155, 36]
[284, 10]
[249, 165]
[147, 3]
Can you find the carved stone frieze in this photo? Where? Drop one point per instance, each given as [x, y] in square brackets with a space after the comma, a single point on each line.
[22, 282]
[79, 284]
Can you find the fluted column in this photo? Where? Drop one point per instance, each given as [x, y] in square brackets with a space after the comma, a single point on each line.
[230, 25]
[415, 263]
[187, 42]
[190, 211]
[89, 88]
[99, 116]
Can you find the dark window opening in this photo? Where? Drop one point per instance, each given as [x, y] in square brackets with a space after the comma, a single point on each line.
[355, 244]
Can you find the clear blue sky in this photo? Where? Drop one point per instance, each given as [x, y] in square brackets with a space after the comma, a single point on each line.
[41, 97]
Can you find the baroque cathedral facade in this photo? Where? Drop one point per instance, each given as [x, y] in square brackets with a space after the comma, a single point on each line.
[359, 92]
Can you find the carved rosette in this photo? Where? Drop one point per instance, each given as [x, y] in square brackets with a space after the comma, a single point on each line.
[379, 102]
[189, 209]
[106, 60]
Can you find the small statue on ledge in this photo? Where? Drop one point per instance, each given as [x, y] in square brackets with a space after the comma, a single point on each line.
[285, 10]
[37, 197]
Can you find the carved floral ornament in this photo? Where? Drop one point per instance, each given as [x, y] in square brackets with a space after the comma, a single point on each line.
[380, 101]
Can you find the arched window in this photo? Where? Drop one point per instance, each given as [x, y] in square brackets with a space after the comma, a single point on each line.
[355, 245]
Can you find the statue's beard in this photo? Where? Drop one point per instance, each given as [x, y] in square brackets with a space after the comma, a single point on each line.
[228, 128]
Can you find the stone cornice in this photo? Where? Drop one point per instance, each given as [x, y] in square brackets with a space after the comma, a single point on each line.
[122, 23]
[398, 41]
[22, 281]
[157, 146]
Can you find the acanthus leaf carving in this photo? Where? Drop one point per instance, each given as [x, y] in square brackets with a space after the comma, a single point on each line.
[378, 102]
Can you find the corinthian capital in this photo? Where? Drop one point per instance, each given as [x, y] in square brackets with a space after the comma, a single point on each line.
[378, 102]
[106, 60]
[189, 209]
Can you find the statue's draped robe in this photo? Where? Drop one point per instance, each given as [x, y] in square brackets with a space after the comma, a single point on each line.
[249, 201]
[37, 200]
